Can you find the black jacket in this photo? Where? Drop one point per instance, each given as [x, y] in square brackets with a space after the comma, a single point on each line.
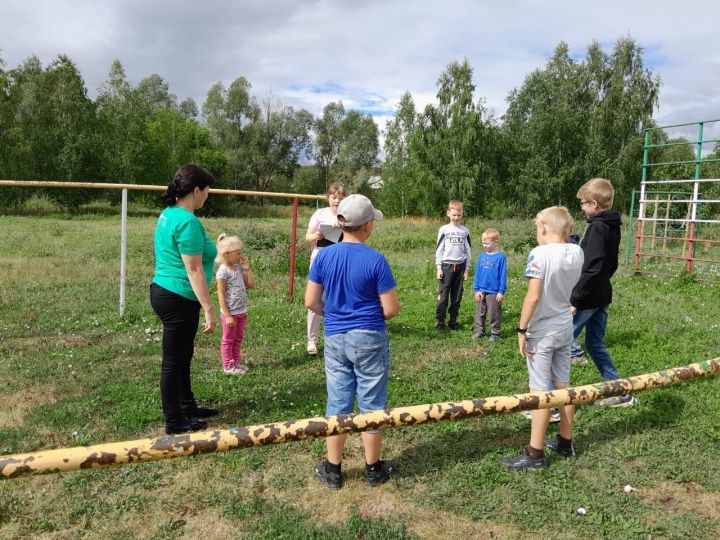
[600, 246]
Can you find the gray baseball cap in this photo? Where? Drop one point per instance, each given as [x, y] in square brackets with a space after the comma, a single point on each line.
[356, 210]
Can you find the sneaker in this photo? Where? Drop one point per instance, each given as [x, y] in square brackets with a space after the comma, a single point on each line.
[554, 415]
[233, 371]
[553, 445]
[453, 326]
[478, 335]
[312, 348]
[375, 478]
[524, 462]
[330, 480]
[617, 401]
[440, 325]
[578, 359]
[243, 368]
[494, 337]
[191, 424]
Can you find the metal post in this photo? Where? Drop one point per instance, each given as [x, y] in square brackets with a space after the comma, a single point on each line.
[123, 249]
[293, 242]
[695, 197]
[641, 212]
[630, 226]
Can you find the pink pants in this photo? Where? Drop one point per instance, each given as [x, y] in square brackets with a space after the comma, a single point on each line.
[231, 339]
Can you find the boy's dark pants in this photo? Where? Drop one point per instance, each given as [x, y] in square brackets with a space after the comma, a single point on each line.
[488, 306]
[180, 317]
[450, 290]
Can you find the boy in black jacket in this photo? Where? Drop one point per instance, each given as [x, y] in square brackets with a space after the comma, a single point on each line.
[593, 293]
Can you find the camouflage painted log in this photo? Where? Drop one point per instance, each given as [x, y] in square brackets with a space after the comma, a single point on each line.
[87, 457]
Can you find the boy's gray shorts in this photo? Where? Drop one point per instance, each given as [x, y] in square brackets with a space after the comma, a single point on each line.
[550, 360]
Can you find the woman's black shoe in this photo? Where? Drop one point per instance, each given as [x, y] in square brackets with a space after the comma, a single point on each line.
[191, 425]
[200, 412]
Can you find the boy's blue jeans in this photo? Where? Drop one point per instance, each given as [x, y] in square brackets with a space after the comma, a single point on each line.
[357, 363]
[594, 321]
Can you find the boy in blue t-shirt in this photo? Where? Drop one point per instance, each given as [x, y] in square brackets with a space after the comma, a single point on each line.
[490, 284]
[359, 291]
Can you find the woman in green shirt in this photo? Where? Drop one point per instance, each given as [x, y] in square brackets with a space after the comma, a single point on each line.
[184, 256]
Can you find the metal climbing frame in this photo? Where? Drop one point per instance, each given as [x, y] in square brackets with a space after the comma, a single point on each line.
[672, 213]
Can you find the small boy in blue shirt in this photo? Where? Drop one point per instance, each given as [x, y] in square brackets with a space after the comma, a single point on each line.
[490, 284]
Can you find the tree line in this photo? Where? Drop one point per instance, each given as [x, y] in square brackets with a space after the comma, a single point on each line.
[571, 119]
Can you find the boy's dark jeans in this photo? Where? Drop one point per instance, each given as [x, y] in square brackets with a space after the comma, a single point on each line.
[450, 291]
[180, 317]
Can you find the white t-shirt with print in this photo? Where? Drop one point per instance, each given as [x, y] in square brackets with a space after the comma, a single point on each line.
[558, 266]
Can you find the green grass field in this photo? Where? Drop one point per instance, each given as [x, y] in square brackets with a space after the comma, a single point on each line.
[73, 373]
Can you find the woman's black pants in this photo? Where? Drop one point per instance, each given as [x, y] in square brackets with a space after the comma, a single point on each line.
[180, 317]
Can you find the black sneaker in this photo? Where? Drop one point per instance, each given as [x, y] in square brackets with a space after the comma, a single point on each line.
[331, 480]
[200, 412]
[453, 326]
[524, 462]
[375, 478]
[440, 325]
[552, 444]
[191, 425]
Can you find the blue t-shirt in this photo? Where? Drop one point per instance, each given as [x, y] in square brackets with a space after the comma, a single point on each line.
[491, 273]
[353, 276]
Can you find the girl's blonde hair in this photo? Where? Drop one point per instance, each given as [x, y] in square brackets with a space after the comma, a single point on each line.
[226, 244]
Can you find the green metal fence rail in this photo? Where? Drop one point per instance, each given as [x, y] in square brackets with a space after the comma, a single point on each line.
[691, 198]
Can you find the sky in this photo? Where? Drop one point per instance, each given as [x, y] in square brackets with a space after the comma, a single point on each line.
[307, 53]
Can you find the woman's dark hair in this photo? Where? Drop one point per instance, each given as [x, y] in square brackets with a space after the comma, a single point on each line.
[186, 179]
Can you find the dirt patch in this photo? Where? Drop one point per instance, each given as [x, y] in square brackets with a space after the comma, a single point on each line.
[684, 497]
[14, 406]
[385, 502]
[208, 524]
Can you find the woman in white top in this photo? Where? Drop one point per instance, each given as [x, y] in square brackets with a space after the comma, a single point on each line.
[323, 230]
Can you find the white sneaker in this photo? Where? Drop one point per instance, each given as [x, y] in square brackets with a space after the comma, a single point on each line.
[233, 371]
[617, 401]
[554, 415]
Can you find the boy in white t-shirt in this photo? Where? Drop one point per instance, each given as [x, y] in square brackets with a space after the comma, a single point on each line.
[545, 330]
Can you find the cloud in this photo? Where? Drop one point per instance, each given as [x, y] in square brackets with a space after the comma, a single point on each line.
[366, 54]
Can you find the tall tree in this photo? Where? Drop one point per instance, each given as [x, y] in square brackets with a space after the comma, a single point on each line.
[447, 151]
[400, 191]
[227, 112]
[276, 138]
[346, 145]
[575, 119]
[328, 139]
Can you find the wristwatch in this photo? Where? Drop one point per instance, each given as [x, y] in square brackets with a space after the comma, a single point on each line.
[521, 330]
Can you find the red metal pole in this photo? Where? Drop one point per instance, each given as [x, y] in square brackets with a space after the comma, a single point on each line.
[638, 244]
[691, 248]
[293, 242]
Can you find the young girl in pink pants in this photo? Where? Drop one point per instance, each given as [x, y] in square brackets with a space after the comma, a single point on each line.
[234, 277]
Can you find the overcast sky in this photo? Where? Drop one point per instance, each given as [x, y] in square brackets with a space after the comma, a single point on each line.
[366, 52]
